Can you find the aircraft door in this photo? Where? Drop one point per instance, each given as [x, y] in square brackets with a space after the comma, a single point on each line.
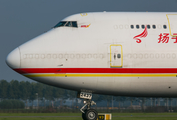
[172, 18]
[116, 56]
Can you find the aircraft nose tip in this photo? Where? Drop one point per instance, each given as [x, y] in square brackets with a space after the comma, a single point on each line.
[13, 59]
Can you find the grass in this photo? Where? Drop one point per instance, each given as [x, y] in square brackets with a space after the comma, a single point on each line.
[40, 114]
[143, 114]
[81, 119]
[40, 119]
[121, 116]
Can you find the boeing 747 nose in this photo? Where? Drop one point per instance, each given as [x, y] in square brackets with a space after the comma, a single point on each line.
[13, 59]
[112, 53]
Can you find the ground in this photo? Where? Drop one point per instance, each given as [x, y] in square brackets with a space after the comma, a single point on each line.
[77, 116]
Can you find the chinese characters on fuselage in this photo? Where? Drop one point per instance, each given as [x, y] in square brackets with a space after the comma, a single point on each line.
[164, 38]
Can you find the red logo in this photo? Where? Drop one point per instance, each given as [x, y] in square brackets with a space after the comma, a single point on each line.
[142, 35]
[85, 26]
[164, 38]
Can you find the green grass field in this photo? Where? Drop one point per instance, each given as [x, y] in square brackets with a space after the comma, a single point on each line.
[77, 116]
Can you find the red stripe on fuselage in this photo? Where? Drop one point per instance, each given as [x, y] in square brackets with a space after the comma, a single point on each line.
[96, 70]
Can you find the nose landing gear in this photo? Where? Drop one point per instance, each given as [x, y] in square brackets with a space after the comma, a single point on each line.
[88, 113]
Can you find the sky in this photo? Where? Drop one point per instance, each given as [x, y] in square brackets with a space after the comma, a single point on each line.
[22, 20]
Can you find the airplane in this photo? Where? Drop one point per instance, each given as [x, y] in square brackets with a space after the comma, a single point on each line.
[112, 53]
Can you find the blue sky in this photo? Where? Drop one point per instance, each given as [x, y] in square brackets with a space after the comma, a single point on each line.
[22, 20]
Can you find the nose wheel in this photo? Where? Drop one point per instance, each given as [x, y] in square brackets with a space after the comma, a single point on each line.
[88, 113]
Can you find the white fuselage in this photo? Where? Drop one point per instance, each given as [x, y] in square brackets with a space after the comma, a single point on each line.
[104, 54]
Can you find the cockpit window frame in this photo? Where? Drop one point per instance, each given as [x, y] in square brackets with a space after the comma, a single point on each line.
[68, 24]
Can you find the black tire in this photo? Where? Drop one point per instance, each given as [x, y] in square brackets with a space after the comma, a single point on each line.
[83, 115]
[91, 114]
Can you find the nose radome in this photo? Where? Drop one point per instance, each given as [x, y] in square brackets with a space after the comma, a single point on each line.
[13, 59]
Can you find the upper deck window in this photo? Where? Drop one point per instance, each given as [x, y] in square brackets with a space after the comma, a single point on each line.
[148, 26]
[164, 26]
[66, 24]
[143, 26]
[137, 26]
[132, 26]
[154, 26]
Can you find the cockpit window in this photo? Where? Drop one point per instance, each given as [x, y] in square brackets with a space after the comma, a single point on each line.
[66, 24]
[62, 23]
[74, 24]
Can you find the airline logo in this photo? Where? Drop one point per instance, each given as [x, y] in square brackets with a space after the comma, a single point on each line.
[85, 26]
[142, 35]
[164, 38]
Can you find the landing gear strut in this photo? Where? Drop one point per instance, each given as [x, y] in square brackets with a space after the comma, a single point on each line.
[88, 113]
